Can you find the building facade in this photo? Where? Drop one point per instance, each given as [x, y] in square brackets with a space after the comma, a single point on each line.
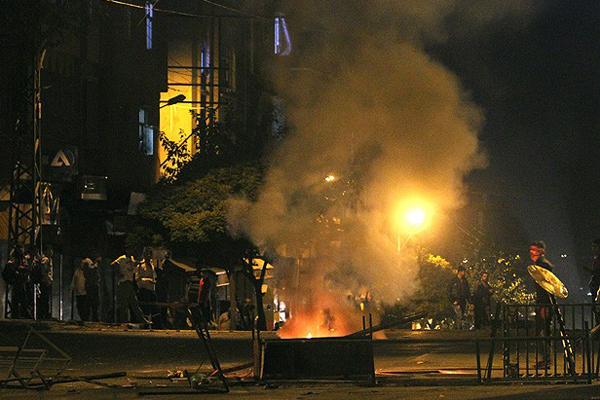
[107, 75]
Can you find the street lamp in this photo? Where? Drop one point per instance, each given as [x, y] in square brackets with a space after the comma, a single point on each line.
[416, 216]
[174, 100]
[417, 219]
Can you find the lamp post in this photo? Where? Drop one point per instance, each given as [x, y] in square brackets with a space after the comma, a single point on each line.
[417, 218]
[174, 100]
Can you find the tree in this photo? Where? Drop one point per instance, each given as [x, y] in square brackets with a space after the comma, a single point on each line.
[257, 283]
[188, 208]
[178, 155]
[435, 274]
[507, 276]
[222, 140]
[190, 215]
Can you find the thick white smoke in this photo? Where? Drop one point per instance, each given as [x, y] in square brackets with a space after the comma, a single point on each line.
[365, 103]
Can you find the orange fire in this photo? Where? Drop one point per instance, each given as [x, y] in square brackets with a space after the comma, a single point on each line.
[311, 322]
[317, 307]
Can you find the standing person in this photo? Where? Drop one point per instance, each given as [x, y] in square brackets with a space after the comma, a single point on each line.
[594, 282]
[537, 253]
[247, 313]
[92, 287]
[544, 311]
[78, 288]
[29, 257]
[16, 274]
[145, 278]
[204, 296]
[46, 274]
[482, 297]
[460, 294]
[162, 296]
[126, 298]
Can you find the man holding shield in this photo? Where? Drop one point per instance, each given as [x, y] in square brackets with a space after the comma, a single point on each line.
[537, 252]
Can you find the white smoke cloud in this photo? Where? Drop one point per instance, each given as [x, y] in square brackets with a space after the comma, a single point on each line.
[366, 103]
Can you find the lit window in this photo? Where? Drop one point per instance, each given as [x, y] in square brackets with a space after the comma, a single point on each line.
[146, 133]
[283, 45]
[205, 59]
[149, 16]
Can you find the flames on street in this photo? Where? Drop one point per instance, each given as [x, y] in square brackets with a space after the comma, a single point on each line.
[331, 317]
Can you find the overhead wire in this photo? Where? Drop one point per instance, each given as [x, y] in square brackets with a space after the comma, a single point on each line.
[212, 3]
[180, 73]
[147, 12]
[192, 15]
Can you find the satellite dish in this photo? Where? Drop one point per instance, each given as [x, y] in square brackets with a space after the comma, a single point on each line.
[548, 281]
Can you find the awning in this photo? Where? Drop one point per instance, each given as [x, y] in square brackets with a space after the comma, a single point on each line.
[184, 264]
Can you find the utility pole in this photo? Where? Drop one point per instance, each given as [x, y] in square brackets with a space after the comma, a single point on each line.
[23, 43]
[24, 212]
[25, 188]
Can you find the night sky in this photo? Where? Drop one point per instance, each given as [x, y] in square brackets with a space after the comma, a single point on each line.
[538, 83]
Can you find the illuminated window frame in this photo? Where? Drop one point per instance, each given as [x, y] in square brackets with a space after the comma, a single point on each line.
[205, 59]
[149, 8]
[282, 42]
[145, 133]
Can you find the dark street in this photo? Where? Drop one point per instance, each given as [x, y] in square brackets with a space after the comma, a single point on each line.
[405, 368]
[345, 199]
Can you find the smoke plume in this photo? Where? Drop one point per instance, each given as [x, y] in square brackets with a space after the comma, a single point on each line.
[367, 105]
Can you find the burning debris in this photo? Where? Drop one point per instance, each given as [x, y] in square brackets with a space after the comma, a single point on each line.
[319, 315]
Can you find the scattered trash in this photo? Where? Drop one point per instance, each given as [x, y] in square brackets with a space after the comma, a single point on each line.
[197, 380]
[270, 386]
[177, 374]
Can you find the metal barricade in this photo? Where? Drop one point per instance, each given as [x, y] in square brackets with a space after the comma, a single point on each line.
[535, 344]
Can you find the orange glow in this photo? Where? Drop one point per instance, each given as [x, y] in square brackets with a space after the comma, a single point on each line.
[412, 215]
[323, 315]
[177, 121]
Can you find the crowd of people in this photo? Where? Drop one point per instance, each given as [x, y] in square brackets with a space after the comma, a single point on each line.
[140, 288]
[130, 289]
[29, 278]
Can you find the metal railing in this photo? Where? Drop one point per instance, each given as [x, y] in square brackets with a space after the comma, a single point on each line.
[541, 343]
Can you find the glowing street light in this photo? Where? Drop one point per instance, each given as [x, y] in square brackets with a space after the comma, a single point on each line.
[417, 220]
[416, 216]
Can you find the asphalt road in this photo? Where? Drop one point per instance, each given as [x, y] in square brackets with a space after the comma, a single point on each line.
[99, 348]
[147, 356]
